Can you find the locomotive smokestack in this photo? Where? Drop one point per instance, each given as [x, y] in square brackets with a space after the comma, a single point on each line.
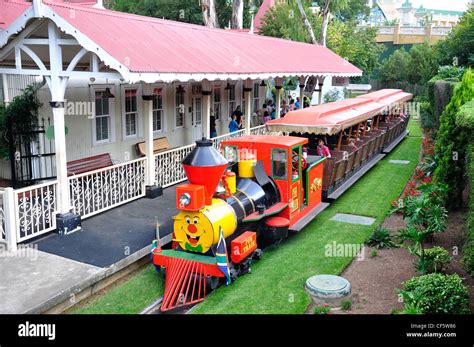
[205, 166]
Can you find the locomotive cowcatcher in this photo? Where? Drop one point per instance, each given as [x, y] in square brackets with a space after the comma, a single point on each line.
[255, 194]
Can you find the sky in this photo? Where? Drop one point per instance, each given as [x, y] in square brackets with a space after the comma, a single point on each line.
[453, 5]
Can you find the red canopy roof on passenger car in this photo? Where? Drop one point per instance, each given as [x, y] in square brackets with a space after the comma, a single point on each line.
[331, 118]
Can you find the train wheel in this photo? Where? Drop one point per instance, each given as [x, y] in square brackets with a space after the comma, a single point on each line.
[233, 274]
[257, 254]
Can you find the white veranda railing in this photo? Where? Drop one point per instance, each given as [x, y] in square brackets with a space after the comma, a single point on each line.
[100, 190]
[3, 234]
[216, 141]
[168, 168]
[35, 210]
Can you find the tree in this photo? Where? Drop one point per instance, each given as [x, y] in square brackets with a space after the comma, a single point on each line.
[326, 8]
[395, 67]
[237, 14]
[451, 142]
[306, 22]
[284, 21]
[458, 46]
[357, 45]
[422, 65]
[355, 10]
[178, 10]
[209, 16]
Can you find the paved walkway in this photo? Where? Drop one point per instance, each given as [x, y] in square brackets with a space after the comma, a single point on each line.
[29, 278]
[49, 270]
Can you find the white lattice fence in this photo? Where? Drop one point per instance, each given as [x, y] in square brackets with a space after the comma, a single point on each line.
[35, 210]
[259, 130]
[100, 190]
[216, 141]
[168, 169]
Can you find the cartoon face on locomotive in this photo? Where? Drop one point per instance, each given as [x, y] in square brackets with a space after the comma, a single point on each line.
[252, 195]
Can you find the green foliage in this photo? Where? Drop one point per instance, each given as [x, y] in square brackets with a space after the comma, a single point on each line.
[346, 305]
[417, 66]
[439, 94]
[425, 215]
[23, 111]
[436, 294]
[458, 46]
[435, 260]
[395, 67]
[354, 10]
[322, 310]
[449, 72]
[357, 46]
[373, 253]
[451, 142]
[333, 95]
[422, 64]
[188, 11]
[468, 259]
[465, 116]
[380, 238]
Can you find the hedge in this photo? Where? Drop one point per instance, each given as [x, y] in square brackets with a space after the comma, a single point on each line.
[439, 93]
[451, 143]
[465, 118]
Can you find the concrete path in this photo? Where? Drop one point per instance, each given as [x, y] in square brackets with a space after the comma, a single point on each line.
[29, 278]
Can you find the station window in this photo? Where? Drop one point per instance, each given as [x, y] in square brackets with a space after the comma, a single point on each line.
[279, 164]
[231, 154]
[295, 162]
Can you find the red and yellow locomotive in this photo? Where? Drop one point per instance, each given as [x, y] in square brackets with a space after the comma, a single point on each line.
[259, 190]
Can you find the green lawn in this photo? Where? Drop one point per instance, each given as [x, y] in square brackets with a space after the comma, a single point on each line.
[276, 282]
[130, 297]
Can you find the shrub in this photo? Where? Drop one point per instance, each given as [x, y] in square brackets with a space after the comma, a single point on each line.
[435, 260]
[468, 258]
[436, 293]
[322, 310]
[451, 143]
[380, 238]
[346, 305]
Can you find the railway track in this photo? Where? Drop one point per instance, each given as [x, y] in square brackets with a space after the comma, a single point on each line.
[154, 308]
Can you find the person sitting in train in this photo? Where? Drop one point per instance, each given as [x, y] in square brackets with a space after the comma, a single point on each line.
[352, 144]
[322, 149]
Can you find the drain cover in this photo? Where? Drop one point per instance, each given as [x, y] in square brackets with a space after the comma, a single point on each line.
[353, 219]
[327, 287]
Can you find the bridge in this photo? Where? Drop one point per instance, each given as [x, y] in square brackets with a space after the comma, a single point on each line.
[403, 35]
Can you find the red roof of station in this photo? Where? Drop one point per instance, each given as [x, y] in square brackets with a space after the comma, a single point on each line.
[10, 10]
[284, 141]
[333, 117]
[152, 45]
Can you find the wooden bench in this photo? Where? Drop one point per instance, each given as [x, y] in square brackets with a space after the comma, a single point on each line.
[159, 145]
[76, 167]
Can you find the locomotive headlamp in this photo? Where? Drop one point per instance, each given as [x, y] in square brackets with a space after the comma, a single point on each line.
[184, 199]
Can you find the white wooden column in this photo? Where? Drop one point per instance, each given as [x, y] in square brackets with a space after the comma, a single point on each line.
[6, 96]
[248, 86]
[206, 114]
[57, 86]
[248, 110]
[278, 86]
[147, 97]
[320, 94]
[206, 87]
[10, 219]
[301, 80]
[278, 102]
[64, 205]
